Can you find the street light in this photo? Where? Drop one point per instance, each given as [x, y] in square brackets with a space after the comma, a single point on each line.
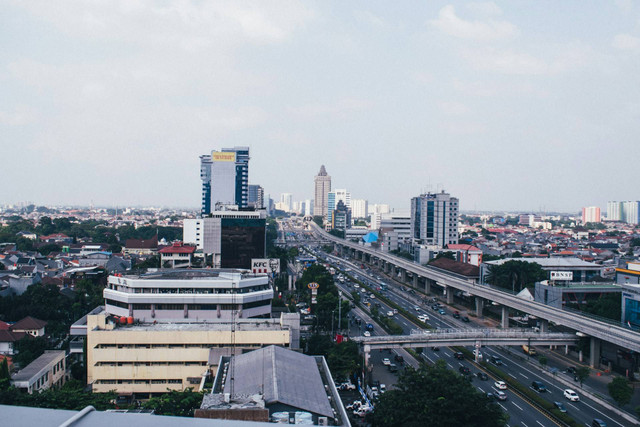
[339, 309]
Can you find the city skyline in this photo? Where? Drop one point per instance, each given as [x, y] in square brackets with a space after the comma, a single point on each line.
[510, 107]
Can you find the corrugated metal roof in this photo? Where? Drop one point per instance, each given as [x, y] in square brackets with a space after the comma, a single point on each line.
[282, 376]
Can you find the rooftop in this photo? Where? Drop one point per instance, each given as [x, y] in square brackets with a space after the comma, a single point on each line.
[551, 262]
[253, 324]
[193, 274]
[33, 368]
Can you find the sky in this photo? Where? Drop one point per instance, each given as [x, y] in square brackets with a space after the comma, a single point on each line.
[522, 106]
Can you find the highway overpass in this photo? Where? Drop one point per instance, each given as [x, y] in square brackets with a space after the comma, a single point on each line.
[596, 329]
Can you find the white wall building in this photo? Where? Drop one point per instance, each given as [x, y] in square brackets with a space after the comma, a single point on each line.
[359, 208]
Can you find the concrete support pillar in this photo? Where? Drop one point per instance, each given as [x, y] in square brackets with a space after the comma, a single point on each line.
[479, 307]
[505, 317]
[427, 285]
[449, 295]
[403, 275]
[594, 357]
[544, 325]
[566, 350]
[366, 351]
[415, 280]
[580, 356]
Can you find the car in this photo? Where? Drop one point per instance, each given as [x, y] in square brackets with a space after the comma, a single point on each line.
[477, 354]
[560, 406]
[496, 360]
[500, 385]
[501, 395]
[367, 334]
[395, 311]
[441, 311]
[458, 355]
[347, 386]
[571, 395]
[393, 367]
[386, 362]
[482, 376]
[398, 358]
[416, 308]
[464, 370]
[372, 296]
[435, 348]
[355, 285]
[571, 370]
[538, 386]
[423, 318]
[597, 422]
[456, 314]
[383, 388]
[465, 319]
[353, 405]
[491, 396]
[389, 313]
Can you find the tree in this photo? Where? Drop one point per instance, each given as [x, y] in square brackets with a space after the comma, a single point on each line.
[543, 361]
[436, 396]
[5, 377]
[447, 254]
[29, 349]
[515, 275]
[344, 360]
[582, 373]
[176, 403]
[318, 220]
[620, 390]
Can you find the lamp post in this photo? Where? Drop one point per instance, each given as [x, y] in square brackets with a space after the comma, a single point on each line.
[339, 310]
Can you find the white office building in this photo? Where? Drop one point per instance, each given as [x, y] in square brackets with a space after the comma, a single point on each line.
[359, 208]
[434, 219]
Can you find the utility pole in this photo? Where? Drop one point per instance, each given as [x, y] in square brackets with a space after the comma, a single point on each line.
[339, 309]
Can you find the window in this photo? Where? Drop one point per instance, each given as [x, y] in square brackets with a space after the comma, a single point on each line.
[175, 381]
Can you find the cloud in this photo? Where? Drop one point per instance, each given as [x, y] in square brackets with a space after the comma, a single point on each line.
[626, 42]
[337, 108]
[453, 108]
[449, 23]
[369, 18]
[20, 116]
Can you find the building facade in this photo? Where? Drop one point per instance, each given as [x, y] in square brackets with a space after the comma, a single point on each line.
[434, 219]
[225, 179]
[359, 208]
[590, 214]
[256, 197]
[333, 198]
[628, 211]
[322, 183]
[47, 371]
[189, 295]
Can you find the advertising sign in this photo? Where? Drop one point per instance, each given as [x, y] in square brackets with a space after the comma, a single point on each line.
[265, 265]
[223, 157]
[562, 275]
[313, 285]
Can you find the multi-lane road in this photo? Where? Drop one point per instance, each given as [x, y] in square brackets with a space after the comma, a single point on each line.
[515, 363]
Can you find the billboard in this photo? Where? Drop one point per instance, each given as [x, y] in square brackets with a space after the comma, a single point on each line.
[223, 157]
[265, 265]
[562, 275]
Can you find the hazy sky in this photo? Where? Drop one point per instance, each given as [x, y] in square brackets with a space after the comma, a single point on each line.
[509, 105]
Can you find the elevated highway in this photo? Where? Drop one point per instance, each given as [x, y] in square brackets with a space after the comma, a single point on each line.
[596, 329]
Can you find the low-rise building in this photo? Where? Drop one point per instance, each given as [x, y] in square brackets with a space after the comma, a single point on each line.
[30, 325]
[45, 372]
[178, 255]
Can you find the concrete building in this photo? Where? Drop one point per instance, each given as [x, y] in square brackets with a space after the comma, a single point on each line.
[434, 219]
[341, 217]
[256, 197]
[146, 359]
[578, 270]
[45, 372]
[359, 208]
[225, 179]
[468, 254]
[629, 275]
[566, 294]
[590, 214]
[189, 295]
[286, 201]
[178, 255]
[614, 211]
[322, 183]
[307, 207]
[231, 238]
[628, 211]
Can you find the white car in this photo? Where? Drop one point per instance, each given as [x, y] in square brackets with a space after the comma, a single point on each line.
[423, 318]
[571, 395]
[500, 385]
[386, 362]
[367, 334]
[390, 313]
[372, 296]
[355, 285]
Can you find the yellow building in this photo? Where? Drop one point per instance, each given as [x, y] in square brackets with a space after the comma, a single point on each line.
[148, 358]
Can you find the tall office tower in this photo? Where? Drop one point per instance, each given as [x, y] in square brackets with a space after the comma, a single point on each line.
[286, 199]
[307, 207]
[590, 214]
[359, 208]
[614, 211]
[434, 219]
[225, 179]
[333, 198]
[322, 183]
[631, 212]
[256, 197]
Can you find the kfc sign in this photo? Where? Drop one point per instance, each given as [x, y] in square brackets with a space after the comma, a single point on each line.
[265, 266]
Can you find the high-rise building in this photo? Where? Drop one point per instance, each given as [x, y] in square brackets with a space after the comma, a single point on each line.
[307, 207]
[434, 219]
[286, 200]
[359, 208]
[614, 211]
[322, 183]
[225, 179]
[590, 214]
[333, 198]
[256, 197]
[341, 217]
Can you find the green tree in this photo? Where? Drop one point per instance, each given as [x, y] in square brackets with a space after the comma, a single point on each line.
[447, 254]
[436, 396]
[582, 373]
[176, 403]
[515, 275]
[5, 377]
[29, 349]
[620, 390]
[344, 360]
[318, 220]
[543, 361]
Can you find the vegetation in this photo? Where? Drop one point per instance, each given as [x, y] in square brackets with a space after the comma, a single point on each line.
[515, 275]
[402, 254]
[620, 390]
[343, 359]
[318, 220]
[447, 254]
[70, 396]
[176, 403]
[608, 305]
[337, 233]
[582, 373]
[326, 309]
[435, 395]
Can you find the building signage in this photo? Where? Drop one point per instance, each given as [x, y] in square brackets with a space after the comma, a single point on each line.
[265, 265]
[562, 275]
[223, 157]
[313, 285]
